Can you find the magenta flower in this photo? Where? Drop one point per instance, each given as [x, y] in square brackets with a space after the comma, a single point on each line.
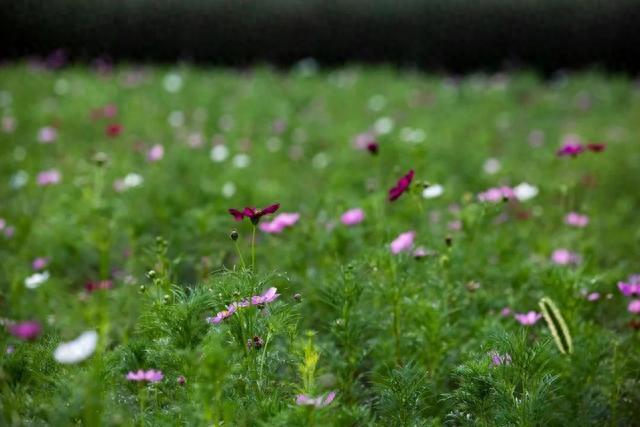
[39, 263]
[155, 153]
[48, 177]
[497, 194]
[403, 242]
[401, 186]
[565, 257]
[47, 135]
[529, 318]
[149, 376]
[269, 296]
[352, 217]
[497, 359]
[634, 306]
[26, 331]
[628, 289]
[576, 220]
[113, 130]
[318, 402]
[220, 316]
[253, 214]
[570, 149]
[279, 223]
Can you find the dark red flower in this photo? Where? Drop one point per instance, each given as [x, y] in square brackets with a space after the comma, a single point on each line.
[96, 286]
[596, 147]
[401, 186]
[373, 147]
[252, 213]
[112, 130]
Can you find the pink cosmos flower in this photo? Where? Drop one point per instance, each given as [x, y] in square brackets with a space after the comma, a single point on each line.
[352, 217]
[269, 296]
[9, 232]
[565, 257]
[113, 130]
[403, 242]
[48, 177]
[628, 289]
[635, 279]
[529, 318]
[220, 316]
[363, 140]
[3, 224]
[26, 331]
[402, 186]
[279, 223]
[47, 135]
[155, 153]
[421, 252]
[593, 296]
[318, 402]
[634, 306]
[496, 194]
[570, 149]
[497, 359]
[149, 376]
[505, 312]
[576, 220]
[39, 263]
[8, 124]
[253, 214]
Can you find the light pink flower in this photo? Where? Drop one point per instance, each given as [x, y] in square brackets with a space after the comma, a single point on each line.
[279, 223]
[220, 316]
[529, 318]
[565, 257]
[363, 140]
[576, 220]
[8, 124]
[634, 306]
[593, 296]
[628, 289]
[496, 194]
[9, 232]
[269, 296]
[49, 177]
[403, 242]
[39, 263]
[505, 312]
[318, 402]
[352, 217]
[421, 252]
[149, 376]
[155, 153]
[47, 135]
[3, 223]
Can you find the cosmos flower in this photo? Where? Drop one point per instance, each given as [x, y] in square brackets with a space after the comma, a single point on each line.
[433, 191]
[634, 306]
[525, 191]
[113, 130]
[131, 180]
[253, 214]
[155, 153]
[352, 217]
[529, 318]
[629, 289]
[48, 177]
[26, 331]
[47, 135]
[269, 296]
[318, 402]
[570, 149]
[497, 359]
[496, 194]
[402, 186]
[403, 242]
[39, 263]
[99, 285]
[150, 376]
[36, 279]
[220, 316]
[77, 350]
[576, 220]
[279, 223]
[505, 312]
[564, 257]
[593, 296]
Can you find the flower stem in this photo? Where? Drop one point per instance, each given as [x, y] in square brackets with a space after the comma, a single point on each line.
[253, 249]
[244, 267]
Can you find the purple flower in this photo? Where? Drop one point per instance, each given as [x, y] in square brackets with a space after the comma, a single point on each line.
[634, 306]
[27, 331]
[155, 153]
[39, 263]
[497, 359]
[279, 223]
[49, 177]
[253, 214]
[576, 220]
[564, 257]
[269, 296]
[403, 242]
[628, 289]
[529, 318]
[401, 186]
[318, 402]
[149, 376]
[220, 316]
[47, 135]
[352, 217]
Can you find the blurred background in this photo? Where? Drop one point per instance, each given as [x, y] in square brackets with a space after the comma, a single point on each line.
[438, 35]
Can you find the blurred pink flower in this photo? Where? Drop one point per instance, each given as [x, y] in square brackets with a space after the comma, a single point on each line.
[149, 376]
[634, 306]
[9, 232]
[47, 135]
[39, 263]
[48, 177]
[628, 289]
[3, 223]
[403, 242]
[564, 257]
[318, 402]
[8, 124]
[279, 223]
[593, 296]
[352, 216]
[363, 140]
[576, 220]
[496, 194]
[505, 312]
[571, 146]
[253, 214]
[455, 225]
[155, 153]
[26, 331]
[529, 318]
[113, 130]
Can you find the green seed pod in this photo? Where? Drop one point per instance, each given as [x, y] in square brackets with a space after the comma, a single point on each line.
[557, 325]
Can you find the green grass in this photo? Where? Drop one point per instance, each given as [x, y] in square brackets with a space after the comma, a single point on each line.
[402, 341]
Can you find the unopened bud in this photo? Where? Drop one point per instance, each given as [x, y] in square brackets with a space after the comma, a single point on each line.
[448, 240]
[181, 380]
[100, 158]
[151, 274]
[297, 297]
[234, 235]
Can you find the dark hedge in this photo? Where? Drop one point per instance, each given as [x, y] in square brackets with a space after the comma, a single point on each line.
[456, 35]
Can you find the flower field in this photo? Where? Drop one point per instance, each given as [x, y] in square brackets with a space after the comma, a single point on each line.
[348, 247]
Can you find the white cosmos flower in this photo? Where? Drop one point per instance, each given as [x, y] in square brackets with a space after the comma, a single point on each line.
[241, 161]
[219, 153]
[77, 350]
[228, 189]
[433, 191]
[525, 191]
[36, 279]
[172, 83]
[383, 125]
[133, 180]
[491, 166]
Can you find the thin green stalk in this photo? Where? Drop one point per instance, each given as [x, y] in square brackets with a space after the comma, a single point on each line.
[244, 267]
[253, 249]
[262, 358]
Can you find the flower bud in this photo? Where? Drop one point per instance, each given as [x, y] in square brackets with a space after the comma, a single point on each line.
[297, 297]
[181, 380]
[234, 235]
[151, 274]
[448, 240]
[100, 158]
[143, 288]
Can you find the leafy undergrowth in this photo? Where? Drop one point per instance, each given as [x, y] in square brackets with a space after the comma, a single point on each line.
[496, 288]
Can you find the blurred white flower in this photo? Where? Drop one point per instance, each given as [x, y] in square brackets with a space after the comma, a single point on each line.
[274, 144]
[219, 153]
[61, 87]
[491, 166]
[383, 125]
[415, 136]
[19, 180]
[133, 180]
[172, 83]
[433, 191]
[525, 191]
[241, 161]
[377, 102]
[228, 189]
[176, 119]
[77, 350]
[320, 161]
[36, 279]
